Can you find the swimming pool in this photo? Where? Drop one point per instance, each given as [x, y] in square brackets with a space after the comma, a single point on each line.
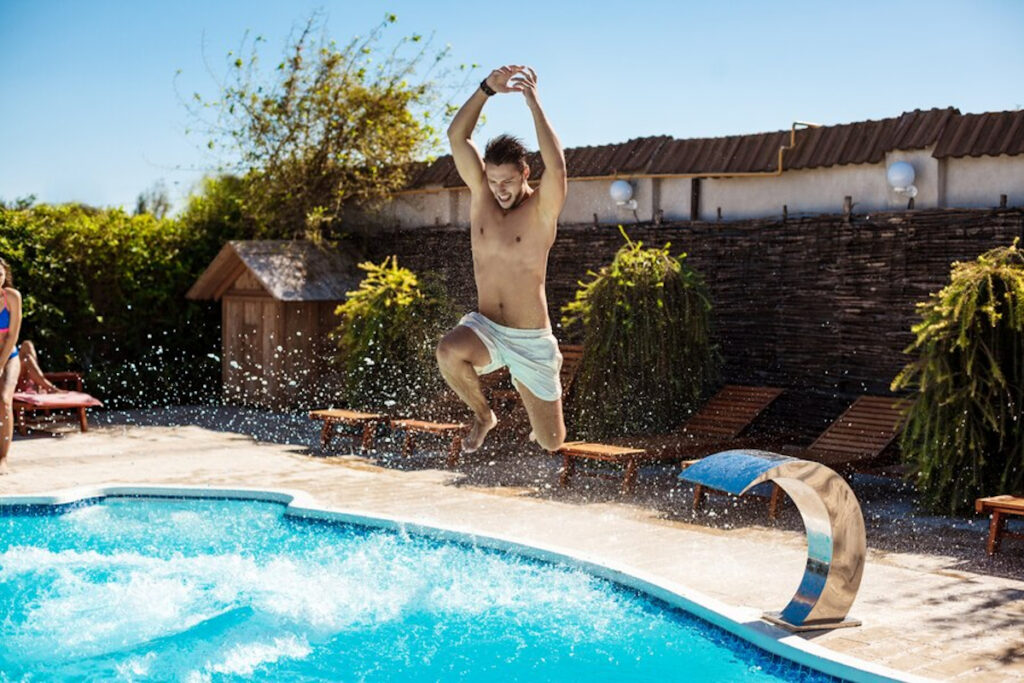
[130, 587]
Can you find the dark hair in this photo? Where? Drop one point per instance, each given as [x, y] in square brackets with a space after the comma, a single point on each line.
[506, 149]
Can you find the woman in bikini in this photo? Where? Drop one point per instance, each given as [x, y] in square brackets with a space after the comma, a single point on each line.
[10, 326]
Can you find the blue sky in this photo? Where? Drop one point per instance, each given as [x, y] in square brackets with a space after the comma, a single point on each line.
[90, 111]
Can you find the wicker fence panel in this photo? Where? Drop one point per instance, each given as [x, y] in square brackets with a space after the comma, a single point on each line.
[820, 305]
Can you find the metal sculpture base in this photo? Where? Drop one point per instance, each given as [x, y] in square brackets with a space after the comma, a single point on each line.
[836, 544]
[776, 618]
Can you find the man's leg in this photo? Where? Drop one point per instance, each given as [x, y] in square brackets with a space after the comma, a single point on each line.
[545, 419]
[458, 353]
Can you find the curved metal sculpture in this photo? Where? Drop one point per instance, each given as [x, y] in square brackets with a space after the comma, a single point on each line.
[836, 544]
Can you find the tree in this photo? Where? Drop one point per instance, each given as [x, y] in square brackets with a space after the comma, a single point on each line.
[154, 201]
[965, 429]
[332, 129]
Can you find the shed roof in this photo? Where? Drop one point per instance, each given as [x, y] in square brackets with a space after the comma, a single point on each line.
[290, 270]
[861, 142]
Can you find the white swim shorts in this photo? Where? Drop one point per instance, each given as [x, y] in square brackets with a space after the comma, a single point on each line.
[532, 356]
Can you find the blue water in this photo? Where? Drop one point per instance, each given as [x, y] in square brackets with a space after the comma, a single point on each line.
[216, 590]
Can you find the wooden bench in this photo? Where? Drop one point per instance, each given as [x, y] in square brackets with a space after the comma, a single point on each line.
[335, 416]
[1001, 508]
[443, 429]
[630, 458]
[716, 426]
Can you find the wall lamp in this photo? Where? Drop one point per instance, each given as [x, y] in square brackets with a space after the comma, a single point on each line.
[622, 193]
[900, 176]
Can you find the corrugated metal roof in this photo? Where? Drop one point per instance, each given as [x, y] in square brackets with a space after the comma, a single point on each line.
[862, 142]
[920, 129]
[290, 270]
[989, 134]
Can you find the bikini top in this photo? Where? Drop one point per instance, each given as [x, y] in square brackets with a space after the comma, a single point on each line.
[5, 315]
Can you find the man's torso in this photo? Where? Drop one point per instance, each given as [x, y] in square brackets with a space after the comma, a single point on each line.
[510, 254]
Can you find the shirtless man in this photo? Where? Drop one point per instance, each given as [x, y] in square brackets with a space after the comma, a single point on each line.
[512, 229]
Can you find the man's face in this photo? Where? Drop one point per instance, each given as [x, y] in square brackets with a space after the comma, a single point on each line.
[507, 183]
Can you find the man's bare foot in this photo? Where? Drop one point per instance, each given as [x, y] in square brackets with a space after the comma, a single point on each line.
[4, 469]
[478, 431]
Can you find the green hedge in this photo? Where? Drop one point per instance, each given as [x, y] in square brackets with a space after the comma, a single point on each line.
[105, 294]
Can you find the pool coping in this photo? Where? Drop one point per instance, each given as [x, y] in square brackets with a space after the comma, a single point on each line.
[742, 622]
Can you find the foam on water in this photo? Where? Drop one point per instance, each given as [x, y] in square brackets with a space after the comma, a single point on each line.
[225, 590]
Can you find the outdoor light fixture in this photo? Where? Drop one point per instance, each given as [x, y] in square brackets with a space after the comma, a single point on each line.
[622, 192]
[900, 176]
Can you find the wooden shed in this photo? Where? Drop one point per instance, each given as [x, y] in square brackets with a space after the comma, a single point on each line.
[278, 299]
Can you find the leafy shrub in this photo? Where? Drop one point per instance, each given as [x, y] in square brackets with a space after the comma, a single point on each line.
[965, 430]
[390, 327]
[105, 294]
[647, 344]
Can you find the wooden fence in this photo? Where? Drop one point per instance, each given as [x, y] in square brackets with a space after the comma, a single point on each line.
[822, 305]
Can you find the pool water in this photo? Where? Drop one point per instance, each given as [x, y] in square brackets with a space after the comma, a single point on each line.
[130, 588]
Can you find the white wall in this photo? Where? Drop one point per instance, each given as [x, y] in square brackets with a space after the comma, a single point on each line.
[968, 182]
[977, 182]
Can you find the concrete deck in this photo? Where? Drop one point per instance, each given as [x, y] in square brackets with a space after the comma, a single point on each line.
[922, 614]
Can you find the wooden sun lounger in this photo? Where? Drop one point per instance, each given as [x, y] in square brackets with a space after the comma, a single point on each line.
[335, 416]
[30, 403]
[856, 439]
[720, 421]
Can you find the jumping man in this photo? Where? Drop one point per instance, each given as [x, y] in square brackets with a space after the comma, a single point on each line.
[513, 227]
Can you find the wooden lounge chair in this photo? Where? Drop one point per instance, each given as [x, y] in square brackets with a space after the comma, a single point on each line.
[33, 409]
[857, 439]
[717, 424]
[365, 424]
[491, 384]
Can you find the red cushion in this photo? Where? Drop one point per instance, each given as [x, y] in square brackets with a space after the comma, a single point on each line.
[67, 399]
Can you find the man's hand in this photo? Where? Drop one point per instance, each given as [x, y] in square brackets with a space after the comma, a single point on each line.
[501, 79]
[525, 81]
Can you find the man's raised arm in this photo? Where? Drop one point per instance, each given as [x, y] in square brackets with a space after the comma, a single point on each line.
[553, 184]
[468, 161]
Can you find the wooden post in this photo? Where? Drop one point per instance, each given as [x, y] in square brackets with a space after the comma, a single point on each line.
[785, 213]
[1002, 201]
[694, 199]
[719, 214]
[847, 208]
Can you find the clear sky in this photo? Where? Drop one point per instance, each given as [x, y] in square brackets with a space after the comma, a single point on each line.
[89, 109]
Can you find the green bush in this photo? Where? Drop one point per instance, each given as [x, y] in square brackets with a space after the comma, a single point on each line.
[648, 354]
[965, 431]
[105, 294]
[389, 329]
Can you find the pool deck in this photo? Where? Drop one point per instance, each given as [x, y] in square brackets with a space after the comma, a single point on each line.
[921, 614]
